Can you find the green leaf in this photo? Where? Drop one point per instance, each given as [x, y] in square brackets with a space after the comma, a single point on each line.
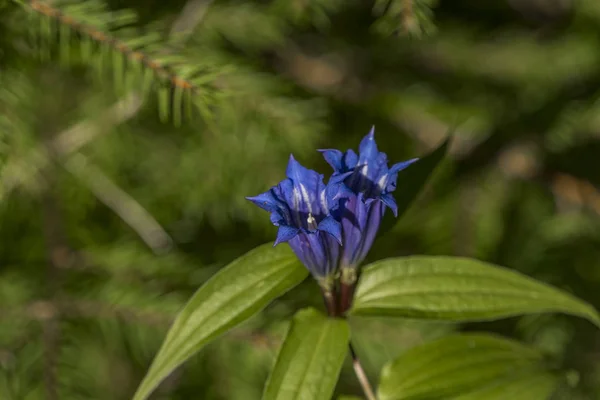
[534, 385]
[412, 180]
[233, 295]
[457, 289]
[310, 359]
[468, 367]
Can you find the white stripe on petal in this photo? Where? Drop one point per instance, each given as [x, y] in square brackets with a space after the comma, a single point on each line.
[365, 169]
[323, 200]
[306, 197]
[296, 196]
[382, 182]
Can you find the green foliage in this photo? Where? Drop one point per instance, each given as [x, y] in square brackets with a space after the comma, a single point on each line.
[457, 289]
[466, 366]
[532, 385]
[236, 293]
[310, 358]
[111, 42]
[85, 304]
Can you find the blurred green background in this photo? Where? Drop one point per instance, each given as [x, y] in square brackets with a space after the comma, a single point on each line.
[111, 218]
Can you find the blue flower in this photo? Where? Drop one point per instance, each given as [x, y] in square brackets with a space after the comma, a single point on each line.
[300, 207]
[366, 186]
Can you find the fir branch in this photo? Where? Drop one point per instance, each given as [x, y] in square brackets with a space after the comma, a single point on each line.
[119, 201]
[70, 141]
[144, 61]
[95, 33]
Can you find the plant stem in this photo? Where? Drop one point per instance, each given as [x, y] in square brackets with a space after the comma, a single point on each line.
[360, 374]
[346, 296]
[347, 285]
[329, 297]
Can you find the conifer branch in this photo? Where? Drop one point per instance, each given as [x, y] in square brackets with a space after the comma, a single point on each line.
[70, 141]
[140, 63]
[160, 68]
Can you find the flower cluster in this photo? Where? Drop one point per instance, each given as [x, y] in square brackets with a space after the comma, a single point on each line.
[331, 227]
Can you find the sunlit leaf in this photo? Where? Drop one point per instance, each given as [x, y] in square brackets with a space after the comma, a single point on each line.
[534, 385]
[237, 292]
[310, 359]
[457, 289]
[469, 366]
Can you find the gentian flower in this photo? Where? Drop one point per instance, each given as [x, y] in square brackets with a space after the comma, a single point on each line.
[366, 186]
[300, 207]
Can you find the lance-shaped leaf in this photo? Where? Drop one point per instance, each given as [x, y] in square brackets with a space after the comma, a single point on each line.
[233, 295]
[534, 385]
[457, 289]
[310, 359]
[470, 366]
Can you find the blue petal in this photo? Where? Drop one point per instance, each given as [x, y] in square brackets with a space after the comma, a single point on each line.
[285, 189]
[343, 192]
[318, 251]
[368, 148]
[350, 159]
[278, 219]
[354, 221]
[340, 162]
[266, 201]
[375, 213]
[285, 233]
[329, 197]
[337, 178]
[390, 184]
[333, 158]
[303, 197]
[401, 165]
[389, 201]
[374, 173]
[333, 227]
[296, 172]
